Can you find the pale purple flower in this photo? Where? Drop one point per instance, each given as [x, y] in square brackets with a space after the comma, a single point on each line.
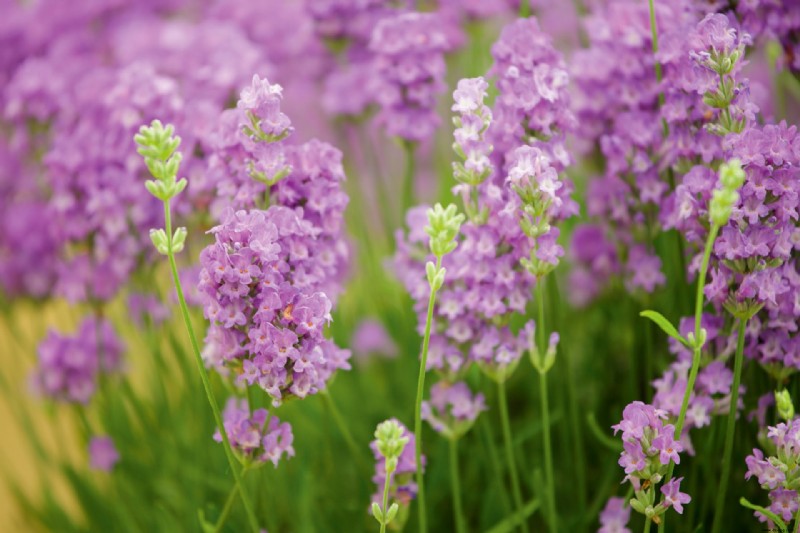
[615, 516]
[257, 435]
[673, 497]
[452, 409]
[103, 455]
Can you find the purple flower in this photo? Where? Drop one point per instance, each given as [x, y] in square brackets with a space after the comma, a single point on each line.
[103, 454]
[370, 338]
[784, 503]
[260, 284]
[409, 59]
[452, 409]
[257, 436]
[70, 366]
[673, 497]
[615, 516]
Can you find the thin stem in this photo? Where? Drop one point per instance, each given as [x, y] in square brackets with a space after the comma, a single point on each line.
[512, 463]
[698, 315]
[524, 8]
[730, 429]
[647, 522]
[423, 522]
[546, 444]
[385, 509]
[226, 510]
[203, 373]
[455, 482]
[797, 522]
[408, 179]
[343, 428]
[548, 451]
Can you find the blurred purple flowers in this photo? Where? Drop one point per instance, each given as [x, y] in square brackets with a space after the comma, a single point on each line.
[70, 367]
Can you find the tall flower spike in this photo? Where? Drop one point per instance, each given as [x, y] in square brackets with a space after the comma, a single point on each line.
[470, 145]
[395, 466]
[158, 146]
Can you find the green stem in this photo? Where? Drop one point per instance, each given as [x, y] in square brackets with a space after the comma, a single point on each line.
[512, 463]
[797, 522]
[408, 179]
[203, 373]
[226, 510]
[345, 431]
[730, 429]
[458, 509]
[524, 8]
[647, 522]
[546, 443]
[423, 523]
[698, 315]
[385, 507]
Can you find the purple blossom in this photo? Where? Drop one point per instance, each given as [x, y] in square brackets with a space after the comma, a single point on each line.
[103, 455]
[409, 59]
[452, 408]
[71, 366]
[260, 282]
[615, 516]
[673, 497]
[257, 436]
[370, 338]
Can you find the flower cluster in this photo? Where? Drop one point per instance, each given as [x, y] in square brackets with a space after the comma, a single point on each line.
[649, 446]
[260, 282]
[471, 146]
[532, 80]
[452, 409]
[402, 487]
[409, 57]
[256, 436]
[615, 516]
[71, 366]
[780, 470]
[103, 455]
[74, 95]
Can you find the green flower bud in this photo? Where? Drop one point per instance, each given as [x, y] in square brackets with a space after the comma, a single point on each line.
[443, 227]
[159, 240]
[783, 402]
[731, 174]
[157, 144]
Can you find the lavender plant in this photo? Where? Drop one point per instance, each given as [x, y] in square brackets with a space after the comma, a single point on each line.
[611, 159]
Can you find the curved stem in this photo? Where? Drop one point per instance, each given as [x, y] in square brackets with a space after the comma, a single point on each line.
[698, 315]
[204, 373]
[546, 444]
[455, 483]
[730, 430]
[423, 524]
[512, 463]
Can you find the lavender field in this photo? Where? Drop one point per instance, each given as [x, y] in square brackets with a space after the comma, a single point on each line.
[395, 265]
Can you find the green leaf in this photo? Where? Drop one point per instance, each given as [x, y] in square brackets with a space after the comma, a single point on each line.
[665, 325]
[766, 512]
